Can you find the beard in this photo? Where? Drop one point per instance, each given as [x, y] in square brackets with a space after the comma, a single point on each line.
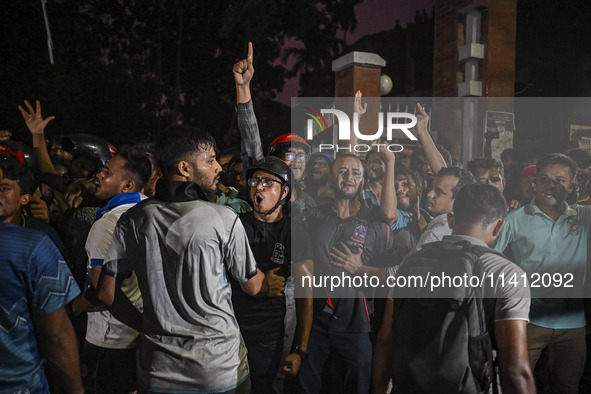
[318, 182]
[403, 205]
[341, 195]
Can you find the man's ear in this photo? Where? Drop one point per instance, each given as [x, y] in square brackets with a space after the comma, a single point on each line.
[128, 186]
[285, 191]
[24, 199]
[451, 220]
[184, 168]
[498, 226]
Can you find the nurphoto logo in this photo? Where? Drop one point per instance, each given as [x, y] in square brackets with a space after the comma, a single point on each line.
[394, 121]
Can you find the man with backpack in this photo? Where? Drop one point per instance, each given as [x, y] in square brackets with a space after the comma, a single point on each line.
[442, 341]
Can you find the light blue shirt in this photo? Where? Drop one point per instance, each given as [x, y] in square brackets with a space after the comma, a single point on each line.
[543, 248]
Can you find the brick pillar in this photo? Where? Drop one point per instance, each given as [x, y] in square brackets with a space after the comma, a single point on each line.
[359, 71]
[493, 73]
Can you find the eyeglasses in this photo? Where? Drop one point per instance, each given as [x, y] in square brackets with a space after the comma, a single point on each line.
[265, 182]
[290, 156]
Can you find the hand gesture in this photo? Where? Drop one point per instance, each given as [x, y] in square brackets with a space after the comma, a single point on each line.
[347, 260]
[513, 204]
[35, 121]
[38, 208]
[422, 118]
[77, 192]
[293, 362]
[385, 154]
[357, 107]
[275, 283]
[243, 70]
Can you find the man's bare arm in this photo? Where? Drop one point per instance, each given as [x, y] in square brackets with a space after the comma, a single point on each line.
[435, 159]
[60, 347]
[36, 125]
[253, 285]
[382, 358]
[304, 315]
[109, 292]
[516, 373]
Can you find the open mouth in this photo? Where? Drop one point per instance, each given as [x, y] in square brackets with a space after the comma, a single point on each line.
[258, 199]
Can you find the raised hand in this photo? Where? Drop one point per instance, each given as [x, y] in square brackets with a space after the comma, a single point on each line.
[422, 118]
[357, 107]
[77, 192]
[384, 153]
[34, 119]
[243, 70]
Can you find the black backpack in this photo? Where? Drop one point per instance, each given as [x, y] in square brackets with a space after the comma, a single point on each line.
[441, 342]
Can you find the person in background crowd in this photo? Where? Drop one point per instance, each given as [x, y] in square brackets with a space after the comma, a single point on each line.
[527, 178]
[318, 183]
[404, 157]
[440, 201]
[408, 191]
[490, 171]
[582, 189]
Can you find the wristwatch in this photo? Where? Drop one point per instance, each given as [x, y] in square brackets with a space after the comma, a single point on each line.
[300, 353]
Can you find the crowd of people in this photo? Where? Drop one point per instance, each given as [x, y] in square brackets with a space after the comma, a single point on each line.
[171, 267]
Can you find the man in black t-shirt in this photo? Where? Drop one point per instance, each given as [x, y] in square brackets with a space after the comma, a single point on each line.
[339, 337]
[261, 317]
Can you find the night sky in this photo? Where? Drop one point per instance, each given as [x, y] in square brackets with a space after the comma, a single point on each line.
[373, 16]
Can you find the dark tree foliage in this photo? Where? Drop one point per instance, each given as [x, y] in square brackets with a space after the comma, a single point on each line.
[126, 69]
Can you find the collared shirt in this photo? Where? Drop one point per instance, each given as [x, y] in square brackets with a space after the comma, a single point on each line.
[348, 307]
[544, 247]
[182, 249]
[404, 220]
[435, 231]
[103, 329]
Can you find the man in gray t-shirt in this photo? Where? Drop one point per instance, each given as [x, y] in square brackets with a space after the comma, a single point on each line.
[478, 216]
[182, 248]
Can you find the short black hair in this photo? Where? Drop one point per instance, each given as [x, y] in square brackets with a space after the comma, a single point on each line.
[235, 159]
[557, 158]
[16, 171]
[177, 143]
[137, 165]
[485, 162]
[580, 156]
[415, 156]
[508, 153]
[479, 203]
[465, 177]
[445, 154]
[400, 169]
